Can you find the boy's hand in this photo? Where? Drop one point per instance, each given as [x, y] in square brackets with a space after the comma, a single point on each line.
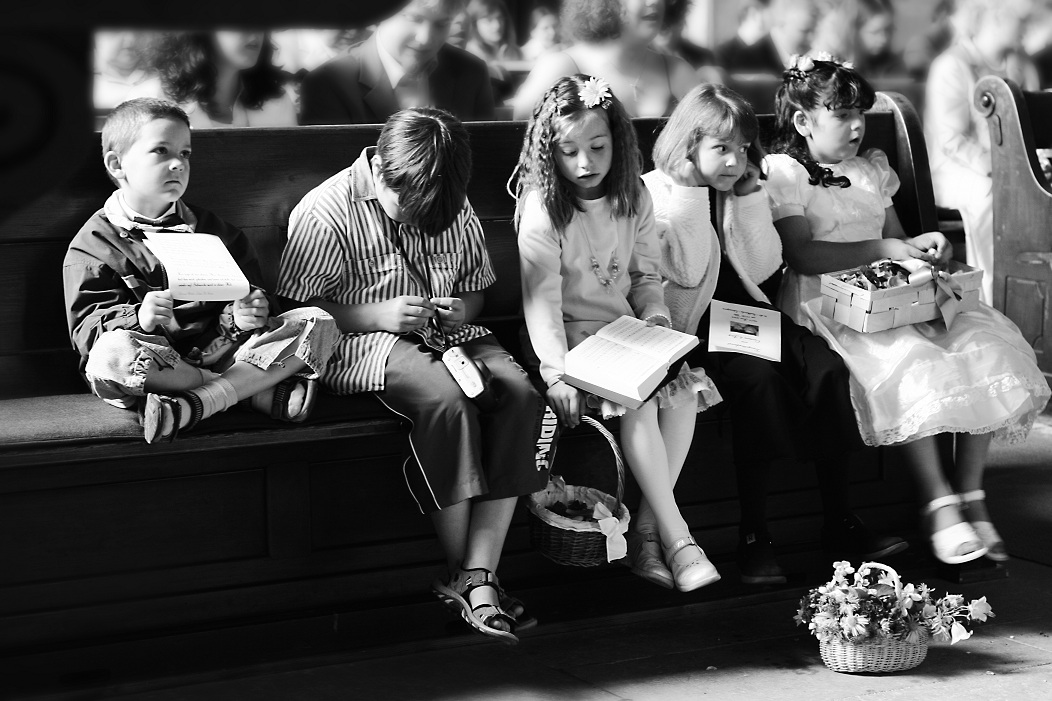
[749, 182]
[935, 243]
[156, 310]
[451, 312]
[687, 174]
[566, 403]
[404, 314]
[251, 311]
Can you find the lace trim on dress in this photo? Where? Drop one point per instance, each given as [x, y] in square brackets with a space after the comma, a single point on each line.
[1011, 430]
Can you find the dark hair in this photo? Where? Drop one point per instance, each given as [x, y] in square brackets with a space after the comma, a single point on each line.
[127, 119]
[186, 63]
[592, 20]
[537, 170]
[827, 85]
[709, 109]
[867, 9]
[477, 9]
[425, 158]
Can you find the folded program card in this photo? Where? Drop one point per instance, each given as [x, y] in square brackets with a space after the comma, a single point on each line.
[198, 266]
[737, 328]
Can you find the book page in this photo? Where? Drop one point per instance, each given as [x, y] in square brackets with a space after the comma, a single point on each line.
[738, 328]
[656, 341]
[199, 267]
[606, 363]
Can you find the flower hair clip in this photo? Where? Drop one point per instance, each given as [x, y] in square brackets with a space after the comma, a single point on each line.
[799, 65]
[595, 93]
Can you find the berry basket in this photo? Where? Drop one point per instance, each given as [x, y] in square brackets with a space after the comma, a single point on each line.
[564, 540]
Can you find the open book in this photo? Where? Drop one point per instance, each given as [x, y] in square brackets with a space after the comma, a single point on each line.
[626, 360]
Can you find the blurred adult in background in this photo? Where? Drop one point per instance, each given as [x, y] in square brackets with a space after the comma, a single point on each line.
[221, 79]
[988, 37]
[491, 37]
[792, 26]
[120, 66]
[921, 49]
[544, 33]
[752, 26]
[298, 51]
[491, 33]
[612, 41]
[1038, 43]
[405, 63]
[874, 55]
[458, 30]
[836, 31]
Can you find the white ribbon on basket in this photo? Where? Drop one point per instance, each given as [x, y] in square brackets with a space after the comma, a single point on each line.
[947, 289]
[614, 529]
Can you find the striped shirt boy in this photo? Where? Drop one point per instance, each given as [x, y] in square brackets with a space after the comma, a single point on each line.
[342, 247]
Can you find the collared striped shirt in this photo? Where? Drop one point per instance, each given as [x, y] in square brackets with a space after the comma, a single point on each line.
[342, 248]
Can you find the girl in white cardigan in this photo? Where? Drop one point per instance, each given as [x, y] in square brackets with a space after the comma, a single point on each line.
[799, 408]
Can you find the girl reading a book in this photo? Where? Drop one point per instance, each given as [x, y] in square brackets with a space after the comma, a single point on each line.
[589, 254]
[969, 383]
[705, 162]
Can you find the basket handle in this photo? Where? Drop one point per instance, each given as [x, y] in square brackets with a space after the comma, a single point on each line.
[619, 459]
[891, 573]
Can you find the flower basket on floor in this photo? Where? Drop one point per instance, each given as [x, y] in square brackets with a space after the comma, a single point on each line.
[875, 623]
[580, 526]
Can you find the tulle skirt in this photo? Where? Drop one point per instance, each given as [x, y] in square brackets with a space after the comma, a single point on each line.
[915, 381]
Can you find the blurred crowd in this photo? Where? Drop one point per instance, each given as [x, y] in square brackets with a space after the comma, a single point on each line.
[650, 51]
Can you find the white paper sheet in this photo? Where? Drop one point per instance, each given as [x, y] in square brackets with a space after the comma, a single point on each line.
[199, 267]
[736, 328]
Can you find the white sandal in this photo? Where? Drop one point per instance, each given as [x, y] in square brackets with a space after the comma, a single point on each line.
[948, 542]
[988, 535]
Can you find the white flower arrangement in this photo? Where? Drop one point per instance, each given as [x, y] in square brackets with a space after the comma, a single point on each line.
[595, 93]
[875, 604]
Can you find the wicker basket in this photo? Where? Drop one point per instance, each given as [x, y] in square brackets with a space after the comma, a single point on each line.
[569, 542]
[875, 654]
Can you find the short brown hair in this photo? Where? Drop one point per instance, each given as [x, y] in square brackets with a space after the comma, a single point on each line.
[425, 158]
[127, 119]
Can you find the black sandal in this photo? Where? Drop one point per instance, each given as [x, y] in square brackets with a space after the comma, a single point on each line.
[508, 602]
[279, 405]
[479, 617]
[159, 407]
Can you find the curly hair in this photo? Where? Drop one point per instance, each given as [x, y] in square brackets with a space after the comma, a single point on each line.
[592, 20]
[828, 85]
[709, 109]
[537, 171]
[186, 64]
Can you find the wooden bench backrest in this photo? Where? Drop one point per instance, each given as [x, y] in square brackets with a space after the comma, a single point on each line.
[1020, 123]
[254, 177]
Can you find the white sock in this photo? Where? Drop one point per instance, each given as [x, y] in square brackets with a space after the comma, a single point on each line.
[216, 395]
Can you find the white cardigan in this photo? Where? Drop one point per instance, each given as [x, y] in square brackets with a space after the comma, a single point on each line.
[690, 246]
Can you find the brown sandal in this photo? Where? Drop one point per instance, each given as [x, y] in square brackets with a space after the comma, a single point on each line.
[479, 617]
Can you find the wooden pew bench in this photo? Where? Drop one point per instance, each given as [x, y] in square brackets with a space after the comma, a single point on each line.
[245, 519]
[1020, 123]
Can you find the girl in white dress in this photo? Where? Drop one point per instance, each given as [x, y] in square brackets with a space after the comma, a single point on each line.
[589, 254]
[974, 382]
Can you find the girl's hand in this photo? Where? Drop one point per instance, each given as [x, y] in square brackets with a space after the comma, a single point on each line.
[251, 311]
[749, 182]
[935, 243]
[404, 314]
[687, 174]
[566, 402]
[450, 311]
[156, 310]
[658, 320]
[901, 249]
